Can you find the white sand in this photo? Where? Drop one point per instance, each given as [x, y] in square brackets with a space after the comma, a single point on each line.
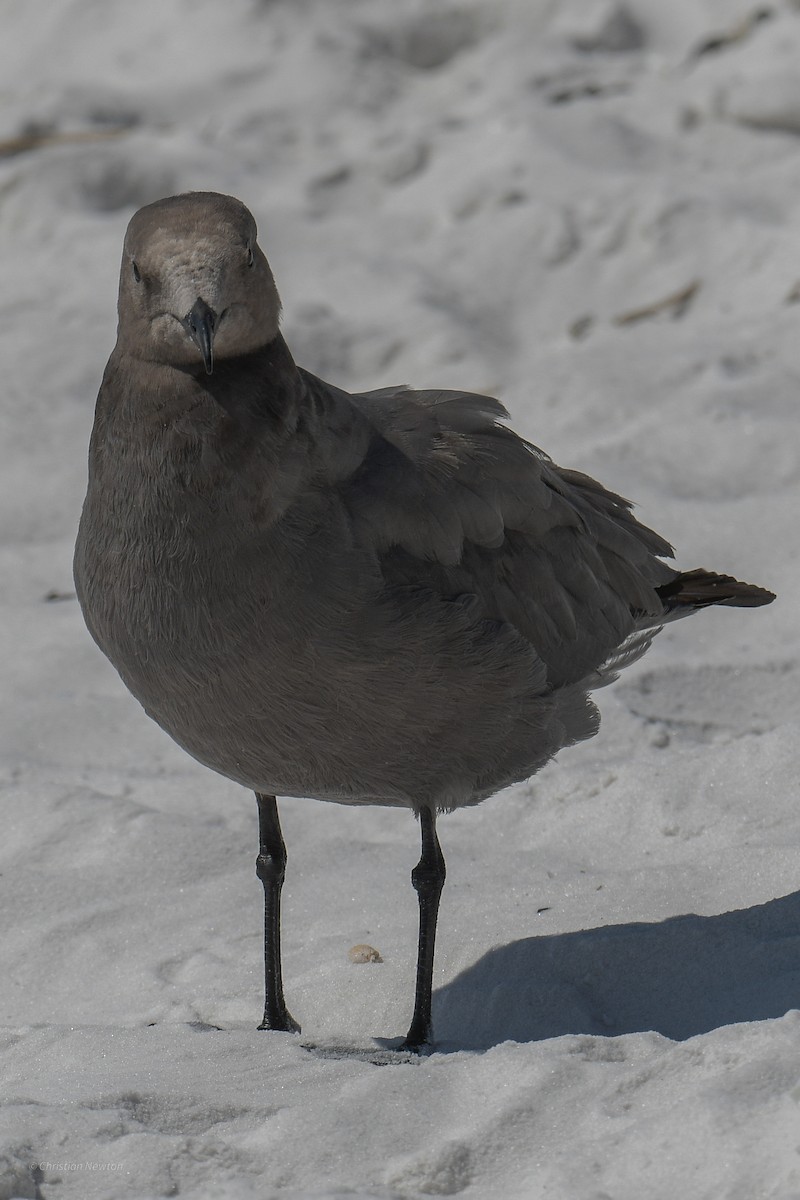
[486, 187]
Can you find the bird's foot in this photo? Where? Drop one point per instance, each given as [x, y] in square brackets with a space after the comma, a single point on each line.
[417, 1041]
[421, 1049]
[280, 1022]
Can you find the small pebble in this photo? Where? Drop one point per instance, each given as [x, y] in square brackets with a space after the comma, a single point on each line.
[363, 954]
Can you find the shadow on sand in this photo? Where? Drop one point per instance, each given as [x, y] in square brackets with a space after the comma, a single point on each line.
[679, 977]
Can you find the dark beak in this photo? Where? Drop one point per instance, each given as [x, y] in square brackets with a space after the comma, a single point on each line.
[201, 322]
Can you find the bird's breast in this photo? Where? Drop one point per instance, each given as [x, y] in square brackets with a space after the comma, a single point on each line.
[279, 657]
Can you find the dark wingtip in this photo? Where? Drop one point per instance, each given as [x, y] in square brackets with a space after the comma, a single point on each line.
[699, 588]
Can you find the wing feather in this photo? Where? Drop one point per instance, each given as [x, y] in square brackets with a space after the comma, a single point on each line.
[452, 499]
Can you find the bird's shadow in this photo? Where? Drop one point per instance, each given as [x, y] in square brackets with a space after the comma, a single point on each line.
[679, 977]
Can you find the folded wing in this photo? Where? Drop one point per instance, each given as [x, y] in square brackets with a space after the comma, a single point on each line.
[452, 499]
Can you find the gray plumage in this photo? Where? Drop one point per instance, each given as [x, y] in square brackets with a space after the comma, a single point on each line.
[378, 598]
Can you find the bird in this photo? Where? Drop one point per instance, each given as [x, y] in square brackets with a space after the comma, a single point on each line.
[380, 598]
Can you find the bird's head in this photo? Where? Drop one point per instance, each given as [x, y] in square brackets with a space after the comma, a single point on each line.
[194, 284]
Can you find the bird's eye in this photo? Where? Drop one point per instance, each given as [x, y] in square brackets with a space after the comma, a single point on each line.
[137, 275]
[251, 258]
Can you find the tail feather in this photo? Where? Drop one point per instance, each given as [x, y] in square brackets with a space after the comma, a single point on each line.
[682, 596]
[699, 588]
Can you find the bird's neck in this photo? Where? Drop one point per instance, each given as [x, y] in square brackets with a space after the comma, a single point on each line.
[262, 386]
[258, 388]
[181, 441]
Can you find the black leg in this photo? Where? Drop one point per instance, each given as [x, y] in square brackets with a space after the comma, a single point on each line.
[270, 869]
[428, 879]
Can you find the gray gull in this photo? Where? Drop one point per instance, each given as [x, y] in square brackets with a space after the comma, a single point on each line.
[382, 598]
